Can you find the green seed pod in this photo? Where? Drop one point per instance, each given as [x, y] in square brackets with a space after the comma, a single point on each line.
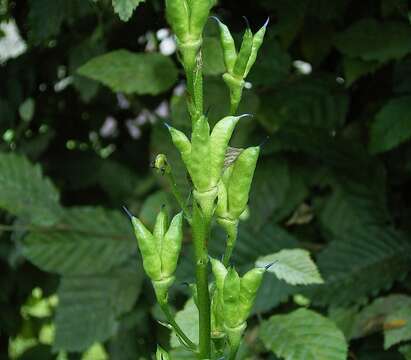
[240, 181]
[178, 16]
[200, 155]
[257, 42]
[171, 246]
[219, 139]
[200, 10]
[160, 227]
[244, 54]
[228, 45]
[250, 283]
[148, 248]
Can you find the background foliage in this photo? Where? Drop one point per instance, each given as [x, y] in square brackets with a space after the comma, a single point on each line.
[83, 98]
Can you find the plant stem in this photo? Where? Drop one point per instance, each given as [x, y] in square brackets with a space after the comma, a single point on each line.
[178, 196]
[176, 327]
[201, 231]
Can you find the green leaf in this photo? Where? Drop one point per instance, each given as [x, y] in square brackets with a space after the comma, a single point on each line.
[89, 241]
[405, 350]
[26, 109]
[370, 40]
[359, 263]
[124, 71]
[89, 306]
[355, 68]
[213, 60]
[392, 125]
[303, 335]
[293, 266]
[373, 316]
[125, 8]
[26, 193]
[315, 102]
[188, 321]
[397, 327]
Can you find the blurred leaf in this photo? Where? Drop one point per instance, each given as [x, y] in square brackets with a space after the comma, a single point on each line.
[188, 321]
[124, 71]
[296, 336]
[355, 68]
[26, 109]
[90, 305]
[213, 60]
[370, 40]
[25, 192]
[315, 102]
[125, 8]
[293, 266]
[359, 263]
[397, 327]
[372, 317]
[88, 241]
[392, 125]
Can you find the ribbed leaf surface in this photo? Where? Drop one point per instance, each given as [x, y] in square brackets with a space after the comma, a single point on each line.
[26, 193]
[303, 335]
[90, 305]
[88, 241]
[293, 266]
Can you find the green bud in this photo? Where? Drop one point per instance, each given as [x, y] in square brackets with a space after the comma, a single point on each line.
[161, 164]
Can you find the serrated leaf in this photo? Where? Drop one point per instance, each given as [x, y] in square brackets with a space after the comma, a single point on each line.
[125, 8]
[293, 266]
[124, 71]
[392, 125]
[187, 319]
[303, 335]
[359, 263]
[397, 327]
[89, 306]
[87, 241]
[371, 40]
[26, 193]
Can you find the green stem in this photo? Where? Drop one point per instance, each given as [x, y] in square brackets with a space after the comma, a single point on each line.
[201, 231]
[176, 327]
[178, 196]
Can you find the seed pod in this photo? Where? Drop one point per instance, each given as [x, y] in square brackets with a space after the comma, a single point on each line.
[240, 181]
[171, 246]
[257, 42]
[200, 155]
[219, 139]
[148, 248]
[250, 283]
[244, 54]
[199, 13]
[160, 227]
[231, 293]
[178, 16]
[228, 45]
